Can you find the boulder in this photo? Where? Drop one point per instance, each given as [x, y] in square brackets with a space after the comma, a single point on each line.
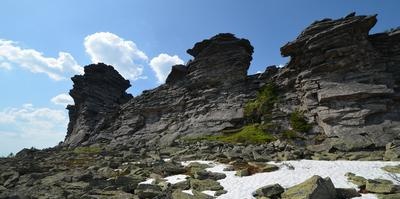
[243, 172]
[389, 196]
[203, 185]
[313, 188]
[392, 169]
[270, 191]
[148, 191]
[381, 186]
[357, 180]
[345, 193]
[178, 194]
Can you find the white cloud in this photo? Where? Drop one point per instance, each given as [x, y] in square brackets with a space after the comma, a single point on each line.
[36, 62]
[111, 49]
[62, 99]
[162, 64]
[5, 65]
[28, 126]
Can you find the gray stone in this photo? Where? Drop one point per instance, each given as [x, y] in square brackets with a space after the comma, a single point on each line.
[313, 188]
[203, 185]
[148, 191]
[380, 186]
[344, 193]
[243, 172]
[271, 191]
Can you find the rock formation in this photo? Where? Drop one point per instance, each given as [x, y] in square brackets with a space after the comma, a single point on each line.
[98, 95]
[345, 81]
[337, 98]
[195, 99]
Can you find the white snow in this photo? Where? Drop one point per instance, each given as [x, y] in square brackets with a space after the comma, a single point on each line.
[211, 163]
[208, 192]
[176, 178]
[242, 187]
[188, 191]
[148, 181]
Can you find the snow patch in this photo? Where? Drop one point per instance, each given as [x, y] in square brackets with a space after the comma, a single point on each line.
[176, 178]
[243, 187]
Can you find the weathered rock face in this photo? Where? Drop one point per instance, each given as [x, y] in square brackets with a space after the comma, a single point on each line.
[194, 100]
[222, 54]
[97, 95]
[346, 81]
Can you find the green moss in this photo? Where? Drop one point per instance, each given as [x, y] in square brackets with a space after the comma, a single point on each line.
[261, 106]
[298, 122]
[249, 134]
[290, 134]
[88, 150]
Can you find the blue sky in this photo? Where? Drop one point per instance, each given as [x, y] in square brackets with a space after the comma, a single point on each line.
[43, 43]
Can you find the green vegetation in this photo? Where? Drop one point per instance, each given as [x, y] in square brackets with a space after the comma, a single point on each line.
[298, 122]
[261, 107]
[88, 150]
[290, 134]
[251, 134]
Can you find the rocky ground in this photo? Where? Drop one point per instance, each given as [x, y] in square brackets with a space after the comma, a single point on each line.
[337, 99]
[99, 172]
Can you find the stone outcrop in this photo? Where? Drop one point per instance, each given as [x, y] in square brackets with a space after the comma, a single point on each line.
[345, 81]
[194, 100]
[315, 187]
[98, 95]
[341, 81]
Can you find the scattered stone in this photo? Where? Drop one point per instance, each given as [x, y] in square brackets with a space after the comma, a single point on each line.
[181, 185]
[389, 196]
[220, 192]
[357, 180]
[344, 193]
[380, 186]
[392, 169]
[269, 168]
[271, 191]
[203, 185]
[243, 172]
[148, 191]
[313, 188]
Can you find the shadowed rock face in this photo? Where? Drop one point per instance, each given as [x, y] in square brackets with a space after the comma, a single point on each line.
[97, 95]
[344, 80]
[204, 96]
[223, 55]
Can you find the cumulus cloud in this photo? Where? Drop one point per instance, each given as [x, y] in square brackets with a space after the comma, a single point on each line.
[13, 55]
[5, 65]
[111, 49]
[62, 99]
[28, 126]
[161, 65]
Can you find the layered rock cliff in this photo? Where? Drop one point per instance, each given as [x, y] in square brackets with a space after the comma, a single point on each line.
[206, 95]
[344, 81]
[337, 98]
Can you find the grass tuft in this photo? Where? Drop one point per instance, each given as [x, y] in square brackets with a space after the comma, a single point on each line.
[250, 134]
[267, 96]
[299, 123]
